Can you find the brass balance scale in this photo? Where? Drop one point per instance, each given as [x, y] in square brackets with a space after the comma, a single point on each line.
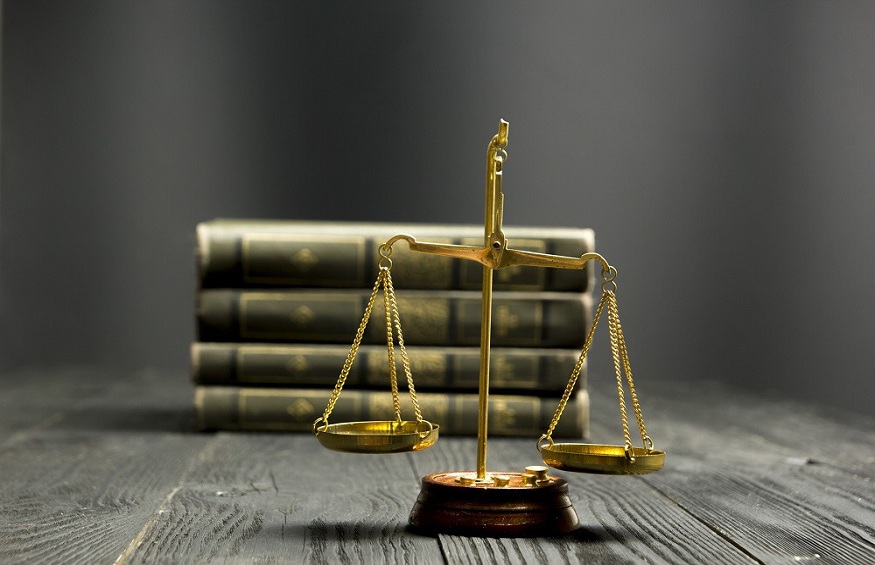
[485, 503]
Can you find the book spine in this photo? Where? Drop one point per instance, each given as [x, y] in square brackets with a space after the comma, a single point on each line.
[428, 317]
[294, 410]
[303, 254]
[513, 370]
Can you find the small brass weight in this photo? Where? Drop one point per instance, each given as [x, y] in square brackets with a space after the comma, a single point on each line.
[481, 503]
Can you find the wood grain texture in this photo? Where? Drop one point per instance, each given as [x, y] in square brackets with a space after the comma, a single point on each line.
[256, 497]
[711, 419]
[32, 400]
[779, 481]
[72, 493]
[102, 468]
[790, 510]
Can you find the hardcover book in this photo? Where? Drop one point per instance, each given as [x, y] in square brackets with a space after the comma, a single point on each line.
[275, 253]
[533, 371]
[294, 410]
[521, 319]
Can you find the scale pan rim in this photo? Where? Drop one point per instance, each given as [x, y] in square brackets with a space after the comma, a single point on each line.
[601, 458]
[377, 436]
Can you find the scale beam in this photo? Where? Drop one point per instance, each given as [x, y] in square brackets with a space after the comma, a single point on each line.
[499, 256]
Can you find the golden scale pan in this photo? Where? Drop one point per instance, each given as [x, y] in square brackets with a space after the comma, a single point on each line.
[381, 436]
[600, 458]
[505, 504]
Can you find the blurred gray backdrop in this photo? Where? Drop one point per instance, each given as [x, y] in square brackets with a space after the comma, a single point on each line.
[722, 151]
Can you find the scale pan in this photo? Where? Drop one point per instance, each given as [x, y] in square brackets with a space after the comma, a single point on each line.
[605, 459]
[385, 436]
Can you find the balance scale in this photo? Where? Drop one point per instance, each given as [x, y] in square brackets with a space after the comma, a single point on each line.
[481, 502]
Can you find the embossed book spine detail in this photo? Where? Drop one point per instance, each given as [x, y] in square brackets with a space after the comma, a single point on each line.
[433, 318]
[293, 410]
[241, 253]
[532, 370]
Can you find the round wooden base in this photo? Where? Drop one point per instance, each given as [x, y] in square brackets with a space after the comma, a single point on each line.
[446, 505]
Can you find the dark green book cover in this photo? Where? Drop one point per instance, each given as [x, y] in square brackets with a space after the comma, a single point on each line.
[286, 253]
[519, 319]
[512, 370]
[294, 410]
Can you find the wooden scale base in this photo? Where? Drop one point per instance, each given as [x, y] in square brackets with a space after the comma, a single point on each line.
[503, 505]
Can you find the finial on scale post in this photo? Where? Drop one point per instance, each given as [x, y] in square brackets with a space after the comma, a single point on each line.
[494, 216]
[500, 139]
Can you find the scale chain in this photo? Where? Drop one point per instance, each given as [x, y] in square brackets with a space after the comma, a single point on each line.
[405, 359]
[393, 324]
[622, 367]
[618, 367]
[393, 373]
[624, 356]
[575, 373]
[347, 365]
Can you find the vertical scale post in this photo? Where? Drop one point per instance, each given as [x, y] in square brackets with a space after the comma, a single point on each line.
[492, 225]
[506, 503]
[483, 406]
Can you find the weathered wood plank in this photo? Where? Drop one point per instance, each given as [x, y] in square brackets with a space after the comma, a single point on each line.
[86, 498]
[31, 400]
[263, 497]
[98, 467]
[784, 511]
[74, 491]
[745, 466]
[702, 418]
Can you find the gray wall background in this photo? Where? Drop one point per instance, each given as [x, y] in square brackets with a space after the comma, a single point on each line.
[722, 151]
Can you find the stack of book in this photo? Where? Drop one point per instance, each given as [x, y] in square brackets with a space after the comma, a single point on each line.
[279, 302]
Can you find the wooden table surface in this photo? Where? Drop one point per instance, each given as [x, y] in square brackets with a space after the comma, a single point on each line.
[105, 468]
